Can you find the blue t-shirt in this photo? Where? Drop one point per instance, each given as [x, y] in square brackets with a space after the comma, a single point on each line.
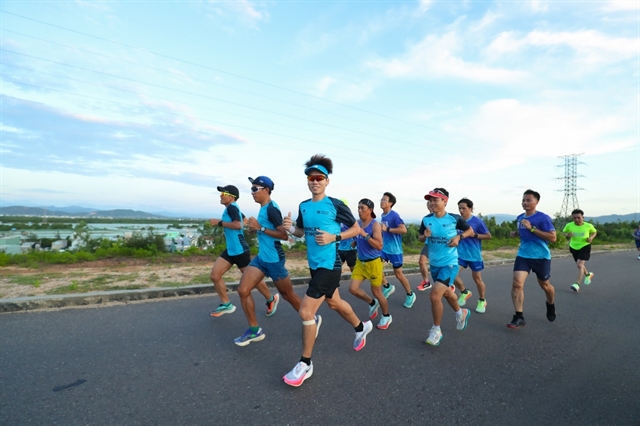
[325, 215]
[270, 248]
[366, 251]
[442, 230]
[391, 243]
[236, 244]
[345, 244]
[470, 249]
[531, 245]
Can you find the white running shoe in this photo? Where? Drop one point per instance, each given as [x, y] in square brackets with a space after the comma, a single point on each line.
[299, 374]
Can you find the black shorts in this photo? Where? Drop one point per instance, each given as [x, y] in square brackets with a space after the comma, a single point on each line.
[241, 260]
[583, 254]
[348, 256]
[541, 267]
[324, 282]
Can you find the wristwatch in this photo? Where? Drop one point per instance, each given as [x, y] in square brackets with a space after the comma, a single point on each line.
[338, 237]
[475, 235]
[262, 229]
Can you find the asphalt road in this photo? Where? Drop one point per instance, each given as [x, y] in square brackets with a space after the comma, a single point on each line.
[169, 363]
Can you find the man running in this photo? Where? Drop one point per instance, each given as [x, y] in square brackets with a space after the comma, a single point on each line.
[236, 253]
[536, 231]
[441, 230]
[636, 237]
[369, 264]
[347, 248]
[269, 262]
[580, 234]
[470, 255]
[423, 261]
[319, 220]
[393, 228]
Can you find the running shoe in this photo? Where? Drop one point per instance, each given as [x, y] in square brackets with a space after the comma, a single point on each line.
[435, 336]
[426, 285]
[273, 305]
[373, 310]
[551, 312]
[517, 322]
[588, 278]
[410, 300]
[575, 287]
[299, 374]
[249, 336]
[385, 322]
[388, 291]
[227, 308]
[462, 320]
[462, 300]
[481, 308]
[361, 336]
[318, 324]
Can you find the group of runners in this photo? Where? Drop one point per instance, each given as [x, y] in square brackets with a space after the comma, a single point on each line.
[334, 236]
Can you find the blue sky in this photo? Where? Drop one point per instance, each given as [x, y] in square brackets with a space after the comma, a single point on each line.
[150, 105]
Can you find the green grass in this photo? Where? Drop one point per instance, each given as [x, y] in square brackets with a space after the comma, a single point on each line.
[96, 284]
[200, 279]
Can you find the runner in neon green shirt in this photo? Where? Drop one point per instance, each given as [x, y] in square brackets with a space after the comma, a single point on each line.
[580, 234]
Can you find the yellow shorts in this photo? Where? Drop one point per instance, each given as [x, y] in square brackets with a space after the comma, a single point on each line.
[371, 270]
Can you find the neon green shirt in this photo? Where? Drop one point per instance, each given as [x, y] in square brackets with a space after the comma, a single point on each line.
[580, 234]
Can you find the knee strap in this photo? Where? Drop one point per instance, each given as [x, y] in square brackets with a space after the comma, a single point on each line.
[310, 322]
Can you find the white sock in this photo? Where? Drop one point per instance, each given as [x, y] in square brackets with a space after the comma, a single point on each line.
[459, 313]
[436, 327]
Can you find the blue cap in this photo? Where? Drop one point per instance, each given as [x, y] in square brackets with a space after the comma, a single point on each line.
[318, 167]
[262, 181]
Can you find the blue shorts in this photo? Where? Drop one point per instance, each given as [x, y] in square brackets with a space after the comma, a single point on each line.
[474, 266]
[541, 267]
[444, 274]
[394, 259]
[275, 270]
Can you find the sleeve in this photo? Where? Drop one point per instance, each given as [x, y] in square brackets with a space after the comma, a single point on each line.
[234, 213]
[482, 227]
[461, 224]
[546, 225]
[566, 228]
[397, 221]
[299, 222]
[343, 213]
[274, 215]
[422, 227]
[592, 228]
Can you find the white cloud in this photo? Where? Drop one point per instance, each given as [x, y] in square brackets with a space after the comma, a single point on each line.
[621, 5]
[437, 56]
[539, 6]
[424, 5]
[247, 10]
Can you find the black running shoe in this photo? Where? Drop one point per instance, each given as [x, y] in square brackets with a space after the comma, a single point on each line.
[517, 322]
[551, 312]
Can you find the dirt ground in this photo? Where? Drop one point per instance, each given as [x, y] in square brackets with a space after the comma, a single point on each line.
[121, 274]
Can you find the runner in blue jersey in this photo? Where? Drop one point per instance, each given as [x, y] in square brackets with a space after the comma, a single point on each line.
[269, 262]
[319, 222]
[236, 253]
[393, 228]
[536, 231]
[347, 247]
[440, 229]
[423, 261]
[369, 264]
[470, 255]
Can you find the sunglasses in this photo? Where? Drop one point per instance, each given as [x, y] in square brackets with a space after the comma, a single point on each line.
[316, 178]
[227, 193]
[256, 188]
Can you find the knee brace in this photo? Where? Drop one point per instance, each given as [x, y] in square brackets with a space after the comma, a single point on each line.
[309, 322]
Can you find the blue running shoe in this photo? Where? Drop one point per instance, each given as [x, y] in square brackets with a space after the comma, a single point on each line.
[388, 291]
[410, 300]
[249, 336]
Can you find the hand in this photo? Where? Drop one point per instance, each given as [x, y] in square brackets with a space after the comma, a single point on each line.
[526, 224]
[427, 232]
[253, 224]
[214, 222]
[323, 238]
[454, 241]
[385, 227]
[363, 233]
[287, 222]
[569, 234]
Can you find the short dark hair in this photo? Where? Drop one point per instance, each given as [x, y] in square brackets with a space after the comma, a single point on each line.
[322, 160]
[391, 197]
[577, 211]
[468, 202]
[532, 192]
[444, 191]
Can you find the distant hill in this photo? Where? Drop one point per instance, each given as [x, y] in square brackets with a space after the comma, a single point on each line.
[42, 211]
[612, 218]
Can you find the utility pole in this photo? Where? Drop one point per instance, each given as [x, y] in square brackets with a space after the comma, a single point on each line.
[570, 200]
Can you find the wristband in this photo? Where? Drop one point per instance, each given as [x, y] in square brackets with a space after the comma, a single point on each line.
[220, 224]
[292, 229]
[367, 237]
[533, 228]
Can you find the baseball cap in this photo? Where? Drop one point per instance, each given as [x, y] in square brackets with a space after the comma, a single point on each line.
[231, 190]
[437, 193]
[262, 181]
[318, 167]
[367, 202]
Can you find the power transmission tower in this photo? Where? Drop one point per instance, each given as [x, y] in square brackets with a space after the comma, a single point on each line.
[570, 200]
